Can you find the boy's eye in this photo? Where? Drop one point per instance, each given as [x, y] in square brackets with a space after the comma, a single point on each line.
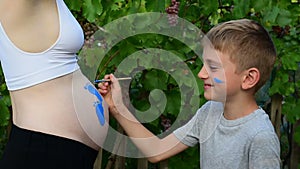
[213, 68]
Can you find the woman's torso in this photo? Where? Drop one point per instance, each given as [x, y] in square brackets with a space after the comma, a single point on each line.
[49, 107]
[33, 26]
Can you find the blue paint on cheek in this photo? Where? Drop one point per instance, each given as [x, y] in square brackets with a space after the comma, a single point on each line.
[218, 80]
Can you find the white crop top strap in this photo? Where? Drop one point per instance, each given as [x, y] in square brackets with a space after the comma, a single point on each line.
[22, 69]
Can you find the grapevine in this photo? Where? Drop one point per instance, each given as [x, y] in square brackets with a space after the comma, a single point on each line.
[89, 31]
[172, 12]
[165, 122]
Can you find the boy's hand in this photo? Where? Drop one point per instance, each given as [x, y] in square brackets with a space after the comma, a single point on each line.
[111, 92]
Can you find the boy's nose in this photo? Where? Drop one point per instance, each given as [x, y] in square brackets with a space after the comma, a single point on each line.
[203, 73]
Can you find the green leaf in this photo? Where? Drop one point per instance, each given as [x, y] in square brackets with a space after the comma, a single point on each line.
[209, 6]
[155, 5]
[291, 109]
[174, 104]
[92, 9]
[271, 15]
[4, 113]
[126, 68]
[155, 79]
[74, 5]
[290, 61]
[297, 135]
[284, 17]
[92, 56]
[260, 5]
[241, 8]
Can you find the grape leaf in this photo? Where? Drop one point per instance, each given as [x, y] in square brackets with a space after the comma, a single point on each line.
[91, 9]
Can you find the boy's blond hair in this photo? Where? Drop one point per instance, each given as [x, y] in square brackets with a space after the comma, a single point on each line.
[248, 44]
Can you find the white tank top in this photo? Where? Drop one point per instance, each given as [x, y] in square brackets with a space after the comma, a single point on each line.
[23, 69]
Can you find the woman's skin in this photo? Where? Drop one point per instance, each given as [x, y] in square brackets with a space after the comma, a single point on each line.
[33, 27]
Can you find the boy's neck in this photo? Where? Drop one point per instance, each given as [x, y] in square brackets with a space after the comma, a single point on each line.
[239, 108]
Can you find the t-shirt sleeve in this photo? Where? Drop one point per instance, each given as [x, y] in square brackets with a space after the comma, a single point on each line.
[189, 133]
[265, 151]
[206, 119]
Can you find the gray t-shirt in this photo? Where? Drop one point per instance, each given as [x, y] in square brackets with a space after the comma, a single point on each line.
[248, 142]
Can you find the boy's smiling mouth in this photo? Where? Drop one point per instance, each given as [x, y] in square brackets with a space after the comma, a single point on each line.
[207, 86]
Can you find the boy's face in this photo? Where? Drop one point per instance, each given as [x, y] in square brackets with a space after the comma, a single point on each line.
[218, 73]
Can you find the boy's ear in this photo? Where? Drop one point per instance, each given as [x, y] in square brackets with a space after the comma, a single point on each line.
[250, 78]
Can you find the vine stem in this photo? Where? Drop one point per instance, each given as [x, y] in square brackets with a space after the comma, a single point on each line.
[105, 65]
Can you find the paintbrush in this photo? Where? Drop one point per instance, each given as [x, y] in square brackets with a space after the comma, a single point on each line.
[108, 80]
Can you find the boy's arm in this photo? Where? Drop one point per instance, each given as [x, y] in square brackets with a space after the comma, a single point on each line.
[265, 151]
[154, 148]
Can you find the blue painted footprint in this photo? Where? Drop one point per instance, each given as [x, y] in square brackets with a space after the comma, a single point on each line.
[97, 104]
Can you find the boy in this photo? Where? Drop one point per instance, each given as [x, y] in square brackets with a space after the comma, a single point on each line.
[233, 132]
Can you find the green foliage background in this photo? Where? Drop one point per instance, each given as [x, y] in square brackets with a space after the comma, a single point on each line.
[280, 18]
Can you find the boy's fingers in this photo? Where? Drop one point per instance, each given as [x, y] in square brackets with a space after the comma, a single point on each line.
[100, 85]
[107, 76]
[102, 91]
[113, 79]
[103, 85]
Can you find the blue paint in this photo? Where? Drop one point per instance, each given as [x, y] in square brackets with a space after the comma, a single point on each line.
[218, 80]
[97, 104]
[102, 80]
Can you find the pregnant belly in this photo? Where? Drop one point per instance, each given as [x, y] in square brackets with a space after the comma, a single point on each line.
[67, 106]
